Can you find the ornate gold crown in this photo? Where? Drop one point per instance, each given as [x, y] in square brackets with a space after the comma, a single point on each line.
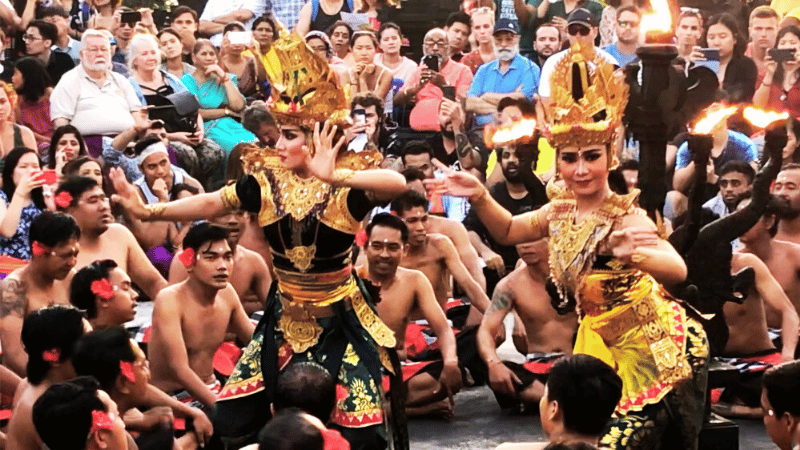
[587, 100]
[304, 89]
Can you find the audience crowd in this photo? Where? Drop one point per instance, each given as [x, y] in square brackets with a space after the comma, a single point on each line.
[119, 333]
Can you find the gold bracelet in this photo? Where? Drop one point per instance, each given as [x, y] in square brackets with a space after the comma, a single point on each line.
[156, 210]
[637, 257]
[342, 176]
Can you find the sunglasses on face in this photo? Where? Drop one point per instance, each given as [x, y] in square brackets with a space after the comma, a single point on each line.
[578, 29]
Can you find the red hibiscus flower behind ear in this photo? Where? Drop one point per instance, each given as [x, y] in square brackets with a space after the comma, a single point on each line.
[102, 288]
[63, 199]
[186, 257]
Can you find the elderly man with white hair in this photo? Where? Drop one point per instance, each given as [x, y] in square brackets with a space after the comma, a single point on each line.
[200, 156]
[92, 98]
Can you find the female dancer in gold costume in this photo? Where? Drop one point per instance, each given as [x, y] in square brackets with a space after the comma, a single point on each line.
[310, 197]
[607, 254]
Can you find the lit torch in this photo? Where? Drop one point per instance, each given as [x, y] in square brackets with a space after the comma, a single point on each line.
[522, 130]
[657, 25]
[775, 133]
[712, 117]
[762, 118]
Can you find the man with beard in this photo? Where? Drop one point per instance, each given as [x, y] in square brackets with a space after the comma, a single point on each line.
[43, 282]
[251, 278]
[424, 87]
[520, 192]
[510, 75]
[547, 43]
[627, 31]
[102, 238]
[735, 183]
[547, 335]
[405, 295]
[763, 31]
[91, 97]
[787, 187]
[190, 319]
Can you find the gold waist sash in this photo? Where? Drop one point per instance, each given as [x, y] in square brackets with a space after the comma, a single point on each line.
[320, 289]
[305, 297]
[643, 337]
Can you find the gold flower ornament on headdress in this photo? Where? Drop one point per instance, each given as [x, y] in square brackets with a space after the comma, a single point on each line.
[304, 89]
[587, 101]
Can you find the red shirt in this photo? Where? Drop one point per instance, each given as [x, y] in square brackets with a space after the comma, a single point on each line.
[783, 101]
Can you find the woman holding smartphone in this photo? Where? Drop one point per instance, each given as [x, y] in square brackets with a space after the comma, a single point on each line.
[737, 73]
[21, 200]
[233, 59]
[779, 88]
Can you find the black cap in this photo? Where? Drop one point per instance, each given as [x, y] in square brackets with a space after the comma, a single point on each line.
[505, 24]
[581, 16]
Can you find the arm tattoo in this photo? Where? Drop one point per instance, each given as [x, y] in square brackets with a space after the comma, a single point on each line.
[501, 301]
[13, 298]
[463, 146]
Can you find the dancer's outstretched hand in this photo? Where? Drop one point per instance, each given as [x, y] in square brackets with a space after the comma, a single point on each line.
[323, 163]
[455, 183]
[126, 195]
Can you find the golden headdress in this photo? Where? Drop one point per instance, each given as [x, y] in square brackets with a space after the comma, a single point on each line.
[304, 88]
[586, 99]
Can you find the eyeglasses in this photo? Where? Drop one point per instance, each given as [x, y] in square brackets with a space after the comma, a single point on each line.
[30, 38]
[575, 29]
[628, 24]
[439, 43]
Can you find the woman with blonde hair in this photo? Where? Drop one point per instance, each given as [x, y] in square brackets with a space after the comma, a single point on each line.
[198, 155]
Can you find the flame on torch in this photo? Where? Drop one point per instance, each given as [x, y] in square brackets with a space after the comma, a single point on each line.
[660, 20]
[516, 131]
[761, 118]
[713, 116]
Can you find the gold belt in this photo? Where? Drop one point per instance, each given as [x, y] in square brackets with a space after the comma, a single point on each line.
[306, 297]
[320, 289]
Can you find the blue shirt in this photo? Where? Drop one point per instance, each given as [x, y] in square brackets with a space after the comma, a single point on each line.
[521, 72]
[623, 58]
[738, 148]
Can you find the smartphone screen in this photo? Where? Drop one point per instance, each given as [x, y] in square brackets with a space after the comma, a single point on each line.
[49, 176]
[239, 37]
[359, 116]
[130, 17]
[431, 62]
[710, 53]
[449, 92]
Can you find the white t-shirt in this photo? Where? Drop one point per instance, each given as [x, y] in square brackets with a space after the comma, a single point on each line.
[218, 8]
[93, 109]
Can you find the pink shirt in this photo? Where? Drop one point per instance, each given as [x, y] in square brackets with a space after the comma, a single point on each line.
[425, 115]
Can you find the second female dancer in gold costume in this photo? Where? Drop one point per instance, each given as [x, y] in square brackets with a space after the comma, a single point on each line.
[310, 197]
[607, 255]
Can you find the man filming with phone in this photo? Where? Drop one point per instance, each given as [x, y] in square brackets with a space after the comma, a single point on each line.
[779, 87]
[424, 87]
